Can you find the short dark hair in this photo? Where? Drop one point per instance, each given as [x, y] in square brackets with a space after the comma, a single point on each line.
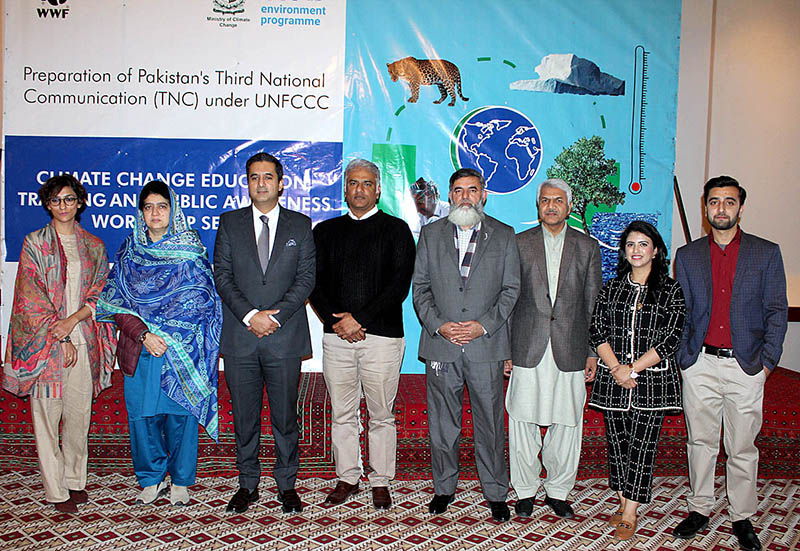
[53, 187]
[264, 157]
[659, 270]
[723, 181]
[154, 186]
[467, 173]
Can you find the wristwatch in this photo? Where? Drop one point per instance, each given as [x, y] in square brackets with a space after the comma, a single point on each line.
[65, 339]
[143, 336]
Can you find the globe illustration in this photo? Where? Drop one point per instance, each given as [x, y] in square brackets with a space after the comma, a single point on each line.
[502, 144]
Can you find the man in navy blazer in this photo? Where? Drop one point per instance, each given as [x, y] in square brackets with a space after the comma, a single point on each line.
[736, 317]
[264, 270]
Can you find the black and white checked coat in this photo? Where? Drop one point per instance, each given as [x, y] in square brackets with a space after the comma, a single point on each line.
[631, 327]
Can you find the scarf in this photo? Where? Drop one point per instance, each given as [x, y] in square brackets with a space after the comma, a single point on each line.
[169, 286]
[34, 360]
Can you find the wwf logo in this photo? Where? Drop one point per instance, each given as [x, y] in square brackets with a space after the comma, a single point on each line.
[227, 6]
[53, 9]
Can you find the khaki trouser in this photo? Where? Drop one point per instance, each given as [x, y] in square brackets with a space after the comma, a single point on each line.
[717, 394]
[64, 467]
[374, 366]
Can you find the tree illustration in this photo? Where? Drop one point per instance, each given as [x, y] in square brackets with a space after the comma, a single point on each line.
[584, 166]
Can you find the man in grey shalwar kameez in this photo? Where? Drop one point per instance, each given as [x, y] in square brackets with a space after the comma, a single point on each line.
[551, 358]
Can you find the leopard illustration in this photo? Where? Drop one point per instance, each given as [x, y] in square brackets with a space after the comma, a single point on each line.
[428, 72]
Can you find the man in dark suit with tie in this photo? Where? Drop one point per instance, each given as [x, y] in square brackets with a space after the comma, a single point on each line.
[264, 270]
[466, 282]
[736, 318]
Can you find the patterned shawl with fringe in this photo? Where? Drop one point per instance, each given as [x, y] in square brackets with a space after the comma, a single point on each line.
[169, 286]
[34, 360]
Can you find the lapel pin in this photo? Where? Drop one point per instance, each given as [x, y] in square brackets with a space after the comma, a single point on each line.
[291, 243]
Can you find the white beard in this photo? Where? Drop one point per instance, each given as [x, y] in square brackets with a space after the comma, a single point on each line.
[466, 214]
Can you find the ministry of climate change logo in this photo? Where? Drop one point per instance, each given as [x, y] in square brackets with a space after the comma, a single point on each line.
[502, 143]
[228, 6]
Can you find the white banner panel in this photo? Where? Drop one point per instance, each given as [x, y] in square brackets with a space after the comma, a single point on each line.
[183, 68]
[120, 93]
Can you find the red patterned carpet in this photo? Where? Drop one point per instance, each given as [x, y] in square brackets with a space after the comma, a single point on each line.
[111, 521]
[109, 450]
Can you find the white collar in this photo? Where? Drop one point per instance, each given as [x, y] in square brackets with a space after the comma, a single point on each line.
[369, 213]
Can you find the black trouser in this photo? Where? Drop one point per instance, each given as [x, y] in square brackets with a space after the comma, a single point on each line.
[632, 443]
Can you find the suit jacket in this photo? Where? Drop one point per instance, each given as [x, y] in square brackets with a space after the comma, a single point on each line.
[759, 308]
[488, 296]
[285, 285]
[565, 321]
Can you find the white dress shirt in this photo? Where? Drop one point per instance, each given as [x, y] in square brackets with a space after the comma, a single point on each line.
[272, 224]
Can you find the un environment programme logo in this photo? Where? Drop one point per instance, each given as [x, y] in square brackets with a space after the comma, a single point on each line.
[500, 142]
[52, 9]
[228, 7]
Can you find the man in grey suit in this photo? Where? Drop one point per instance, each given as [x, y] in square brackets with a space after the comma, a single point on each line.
[264, 270]
[466, 282]
[550, 352]
[736, 318]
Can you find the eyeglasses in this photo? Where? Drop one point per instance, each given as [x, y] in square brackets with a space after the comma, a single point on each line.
[69, 200]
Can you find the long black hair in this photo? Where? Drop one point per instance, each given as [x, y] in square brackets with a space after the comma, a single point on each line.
[659, 269]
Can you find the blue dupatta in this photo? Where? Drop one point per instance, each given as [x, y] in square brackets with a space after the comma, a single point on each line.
[169, 285]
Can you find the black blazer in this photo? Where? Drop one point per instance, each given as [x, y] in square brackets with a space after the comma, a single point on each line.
[285, 285]
[632, 325]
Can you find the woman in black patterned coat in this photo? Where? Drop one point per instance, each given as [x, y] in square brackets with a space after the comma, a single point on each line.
[636, 329]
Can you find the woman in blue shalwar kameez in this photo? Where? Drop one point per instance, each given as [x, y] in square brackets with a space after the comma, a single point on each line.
[161, 294]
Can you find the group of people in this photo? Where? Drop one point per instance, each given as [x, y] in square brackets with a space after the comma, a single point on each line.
[530, 306]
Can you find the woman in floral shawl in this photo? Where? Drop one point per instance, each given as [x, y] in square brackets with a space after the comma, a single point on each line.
[57, 353]
[161, 294]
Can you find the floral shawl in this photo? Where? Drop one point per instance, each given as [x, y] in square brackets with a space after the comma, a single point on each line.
[169, 285]
[34, 358]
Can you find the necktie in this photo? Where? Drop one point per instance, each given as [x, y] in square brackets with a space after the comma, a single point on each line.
[263, 244]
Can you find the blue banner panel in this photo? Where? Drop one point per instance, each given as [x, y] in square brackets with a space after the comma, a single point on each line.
[208, 175]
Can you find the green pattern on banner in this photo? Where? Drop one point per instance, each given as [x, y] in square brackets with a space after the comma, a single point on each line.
[398, 168]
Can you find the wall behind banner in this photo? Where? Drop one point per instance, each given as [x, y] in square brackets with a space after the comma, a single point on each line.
[508, 120]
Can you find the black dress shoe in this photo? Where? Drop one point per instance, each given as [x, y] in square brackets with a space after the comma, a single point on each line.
[290, 501]
[439, 503]
[748, 540]
[690, 526]
[341, 492]
[381, 498]
[524, 507]
[560, 507]
[241, 500]
[78, 496]
[500, 511]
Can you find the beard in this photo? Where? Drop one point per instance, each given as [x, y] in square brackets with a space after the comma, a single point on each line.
[466, 214]
[723, 225]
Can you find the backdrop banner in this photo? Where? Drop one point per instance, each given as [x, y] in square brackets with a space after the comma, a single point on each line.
[119, 93]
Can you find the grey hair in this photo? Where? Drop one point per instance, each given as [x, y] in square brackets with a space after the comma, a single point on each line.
[355, 164]
[557, 183]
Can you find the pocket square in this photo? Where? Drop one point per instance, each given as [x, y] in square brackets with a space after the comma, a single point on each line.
[291, 243]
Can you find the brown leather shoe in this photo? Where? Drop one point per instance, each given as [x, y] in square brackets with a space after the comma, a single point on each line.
[66, 506]
[625, 530]
[78, 496]
[381, 498]
[341, 492]
[613, 521]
